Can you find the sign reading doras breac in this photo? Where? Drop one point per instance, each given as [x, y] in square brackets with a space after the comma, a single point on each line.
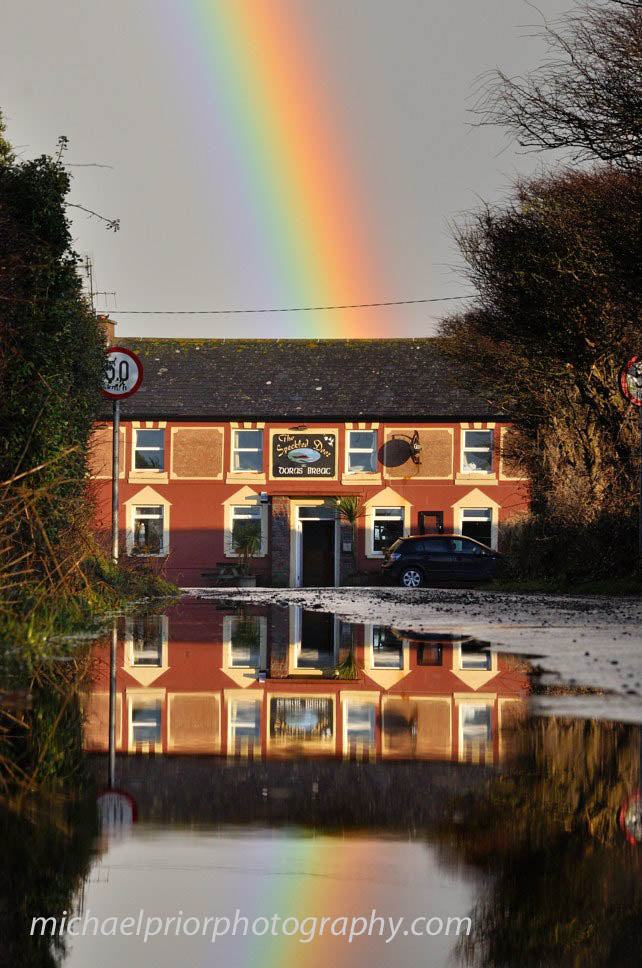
[304, 455]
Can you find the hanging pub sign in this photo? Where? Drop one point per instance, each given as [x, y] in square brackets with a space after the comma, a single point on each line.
[631, 380]
[303, 455]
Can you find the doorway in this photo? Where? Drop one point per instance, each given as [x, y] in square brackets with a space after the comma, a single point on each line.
[317, 553]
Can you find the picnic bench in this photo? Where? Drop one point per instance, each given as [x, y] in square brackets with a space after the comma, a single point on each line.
[225, 573]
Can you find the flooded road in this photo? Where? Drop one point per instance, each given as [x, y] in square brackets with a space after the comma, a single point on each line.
[293, 786]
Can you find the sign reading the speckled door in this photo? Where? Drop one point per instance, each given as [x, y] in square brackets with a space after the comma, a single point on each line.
[300, 456]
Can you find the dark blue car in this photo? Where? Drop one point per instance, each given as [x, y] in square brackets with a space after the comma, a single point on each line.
[435, 558]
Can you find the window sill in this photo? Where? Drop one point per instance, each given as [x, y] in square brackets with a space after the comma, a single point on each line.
[149, 554]
[246, 477]
[474, 476]
[365, 477]
[147, 477]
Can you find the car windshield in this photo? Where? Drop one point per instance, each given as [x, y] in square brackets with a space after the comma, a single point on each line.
[395, 546]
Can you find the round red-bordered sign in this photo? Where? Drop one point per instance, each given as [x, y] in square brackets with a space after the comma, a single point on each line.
[631, 381]
[124, 373]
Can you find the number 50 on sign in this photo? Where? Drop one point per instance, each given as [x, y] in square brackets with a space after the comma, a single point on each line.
[123, 373]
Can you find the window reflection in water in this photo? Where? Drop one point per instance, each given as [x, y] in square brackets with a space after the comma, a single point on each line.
[146, 722]
[387, 649]
[475, 655]
[147, 640]
[300, 720]
[245, 723]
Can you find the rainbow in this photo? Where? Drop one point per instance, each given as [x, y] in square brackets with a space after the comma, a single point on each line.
[260, 92]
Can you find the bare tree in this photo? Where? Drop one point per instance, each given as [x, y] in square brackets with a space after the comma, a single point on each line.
[586, 96]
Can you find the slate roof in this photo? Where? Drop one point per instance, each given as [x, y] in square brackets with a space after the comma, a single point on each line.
[277, 379]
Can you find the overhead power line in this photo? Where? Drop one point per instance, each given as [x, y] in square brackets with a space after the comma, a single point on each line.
[288, 309]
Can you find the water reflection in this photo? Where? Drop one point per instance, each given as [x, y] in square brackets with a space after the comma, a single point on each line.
[256, 682]
[263, 754]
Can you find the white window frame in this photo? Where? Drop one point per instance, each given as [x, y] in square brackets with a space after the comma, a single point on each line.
[466, 514]
[372, 552]
[479, 450]
[139, 703]
[236, 449]
[131, 650]
[403, 646]
[351, 703]
[229, 622]
[243, 515]
[137, 447]
[474, 742]
[232, 704]
[465, 665]
[361, 450]
[164, 550]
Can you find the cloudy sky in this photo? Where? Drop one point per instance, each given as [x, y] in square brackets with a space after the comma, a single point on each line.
[268, 153]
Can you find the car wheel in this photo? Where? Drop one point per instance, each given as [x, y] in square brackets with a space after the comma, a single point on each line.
[411, 578]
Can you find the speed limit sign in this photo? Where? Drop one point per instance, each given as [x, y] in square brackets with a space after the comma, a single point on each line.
[123, 373]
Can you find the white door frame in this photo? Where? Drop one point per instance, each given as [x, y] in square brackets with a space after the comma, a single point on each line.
[298, 543]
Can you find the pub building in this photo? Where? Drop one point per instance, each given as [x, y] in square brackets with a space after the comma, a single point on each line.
[228, 434]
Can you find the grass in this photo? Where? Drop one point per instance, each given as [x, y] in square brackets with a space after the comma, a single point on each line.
[31, 626]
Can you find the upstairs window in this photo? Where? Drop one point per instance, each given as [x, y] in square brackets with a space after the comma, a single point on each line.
[149, 453]
[146, 722]
[362, 451]
[477, 456]
[245, 722]
[359, 723]
[247, 450]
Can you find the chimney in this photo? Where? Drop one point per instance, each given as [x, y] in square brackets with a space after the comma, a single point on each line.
[109, 327]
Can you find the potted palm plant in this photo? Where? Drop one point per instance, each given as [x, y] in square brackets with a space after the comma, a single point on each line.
[246, 545]
[349, 510]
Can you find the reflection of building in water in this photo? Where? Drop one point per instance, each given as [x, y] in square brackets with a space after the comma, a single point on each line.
[258, 683]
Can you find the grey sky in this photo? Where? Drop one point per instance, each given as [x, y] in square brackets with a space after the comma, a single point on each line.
[118, 79]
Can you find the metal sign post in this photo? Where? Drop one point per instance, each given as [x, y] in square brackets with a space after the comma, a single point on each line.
[123, 377]
[631, 387]
[115, 470]
[111, 775]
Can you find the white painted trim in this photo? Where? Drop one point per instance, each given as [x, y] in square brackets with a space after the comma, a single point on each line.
[477, 499]
[387, 498]
[245, 497]
[296, 540]
[362, 476]
[228, 630]
[148, 496]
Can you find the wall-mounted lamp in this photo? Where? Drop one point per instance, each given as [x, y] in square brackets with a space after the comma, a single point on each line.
[415, 446]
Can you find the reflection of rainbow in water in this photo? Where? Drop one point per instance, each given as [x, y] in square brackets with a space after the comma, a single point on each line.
[261, 101]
